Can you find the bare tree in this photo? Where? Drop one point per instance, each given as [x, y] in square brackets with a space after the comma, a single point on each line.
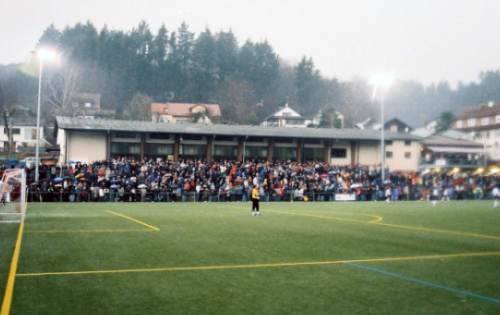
[8, 108]
[61, 88]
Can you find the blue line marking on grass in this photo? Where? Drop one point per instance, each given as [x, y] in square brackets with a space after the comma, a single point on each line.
[426, 283]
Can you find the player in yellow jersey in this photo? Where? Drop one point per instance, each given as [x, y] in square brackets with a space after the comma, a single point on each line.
[255, 200]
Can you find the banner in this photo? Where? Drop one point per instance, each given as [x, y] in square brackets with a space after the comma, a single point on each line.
[345, 197]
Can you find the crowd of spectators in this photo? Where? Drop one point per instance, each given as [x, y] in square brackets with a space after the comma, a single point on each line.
[198, 181]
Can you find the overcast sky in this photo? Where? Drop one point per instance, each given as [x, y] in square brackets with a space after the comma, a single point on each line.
[426, 40]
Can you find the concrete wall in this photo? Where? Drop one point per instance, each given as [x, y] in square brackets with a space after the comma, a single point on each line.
[342, 161]
[399, 160]
[369, 153]
[85, 146]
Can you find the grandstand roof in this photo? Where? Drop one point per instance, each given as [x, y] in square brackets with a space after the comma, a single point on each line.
[81, 123]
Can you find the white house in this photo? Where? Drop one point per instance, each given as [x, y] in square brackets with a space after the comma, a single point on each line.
[286, 117]
[482, 124]
[24, 134]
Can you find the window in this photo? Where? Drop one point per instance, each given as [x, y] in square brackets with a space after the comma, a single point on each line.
[125, 135]
[159, 136]
[407, 142]
[15, 131]
[255, 152]
[226, 151]
[312, 141]
[191, 137]
[224, 138]
[497, 119]
[153, 149]
[254, 139]
[485, 121]
[471, 122]
[338, 153]
[285, 153]
[33, 133]
[388, 142]
[313, 154]
[460, 124]
[284, 140]
[193, 150]
[388, 154]
[119, 148]
[407, 155]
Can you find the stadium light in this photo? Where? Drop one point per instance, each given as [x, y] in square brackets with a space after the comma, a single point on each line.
[381, 82]
[44, 54]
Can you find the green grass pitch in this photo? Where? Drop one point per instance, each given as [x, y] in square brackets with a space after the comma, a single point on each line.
[215, 258]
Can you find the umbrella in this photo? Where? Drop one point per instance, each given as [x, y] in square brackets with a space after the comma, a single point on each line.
[57, 180]
[141, 186]
[356, 185]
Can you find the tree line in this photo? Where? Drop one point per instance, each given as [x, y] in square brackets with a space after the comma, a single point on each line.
[249, 80]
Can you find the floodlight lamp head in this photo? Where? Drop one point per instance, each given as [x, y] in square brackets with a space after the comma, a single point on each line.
[47, 54]
[382, 80]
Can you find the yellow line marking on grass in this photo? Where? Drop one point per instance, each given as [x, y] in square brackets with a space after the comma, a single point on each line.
[424, 229]
[375, 220]
[399, 226]
[151, 227]
[85, 231]
[11, 279]
[265, 265]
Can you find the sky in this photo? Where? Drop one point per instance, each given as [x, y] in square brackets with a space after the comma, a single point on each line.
[422, 40]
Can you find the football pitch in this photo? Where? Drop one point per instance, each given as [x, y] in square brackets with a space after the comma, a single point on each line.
[215, 258]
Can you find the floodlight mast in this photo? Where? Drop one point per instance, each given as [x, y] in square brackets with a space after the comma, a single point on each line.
[44, 55]
[381, 83]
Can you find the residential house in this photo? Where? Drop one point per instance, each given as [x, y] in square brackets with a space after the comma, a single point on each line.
[88, 105]
[450, 150]
[286, 117]
[23, 131]
[482, 124]
[185, 112]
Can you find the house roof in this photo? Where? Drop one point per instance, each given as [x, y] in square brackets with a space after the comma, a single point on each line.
[482, 111]
[184, 109]
[397, 121]
[81, 123]
[292, 113]
[22, 120]
[441, 140]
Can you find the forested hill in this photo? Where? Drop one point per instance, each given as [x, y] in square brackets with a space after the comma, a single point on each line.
[248, 79]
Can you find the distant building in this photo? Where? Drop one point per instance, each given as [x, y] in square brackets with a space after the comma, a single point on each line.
[185, 112]
[446, 151]
[426, 130]
[88, 105]
[392, 125]
[23, 131]
[482, 124]
[397, 125]
[367, 124]
[286, 117]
